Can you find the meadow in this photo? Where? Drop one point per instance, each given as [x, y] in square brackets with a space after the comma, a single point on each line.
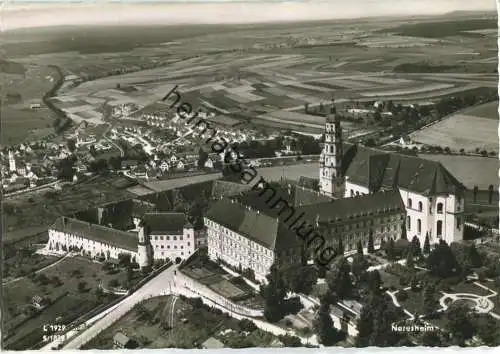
[471, 129]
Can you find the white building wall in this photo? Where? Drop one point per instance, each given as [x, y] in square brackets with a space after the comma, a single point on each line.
[173, 246]
[428, 213]
[352, 190]
[94, 247]
[236, 250]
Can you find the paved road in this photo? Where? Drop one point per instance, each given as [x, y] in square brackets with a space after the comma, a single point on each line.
[159, 285]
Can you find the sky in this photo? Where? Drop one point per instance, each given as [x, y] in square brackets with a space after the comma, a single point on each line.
[41, 13]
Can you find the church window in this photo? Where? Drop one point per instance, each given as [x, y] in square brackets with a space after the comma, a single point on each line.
[161, 237]
[161, 246]
[175, 238]
[459, 223]
[180, 238]
[168, 238]
[419, 226]
[439, 227]
[440, 208]
[409, 202]
[420, 206]
[408, 223]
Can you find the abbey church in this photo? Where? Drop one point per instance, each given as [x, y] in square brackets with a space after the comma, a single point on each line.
[433, 197]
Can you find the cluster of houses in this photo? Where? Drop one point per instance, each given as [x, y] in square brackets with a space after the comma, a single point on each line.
[30, 165]
[158, 167]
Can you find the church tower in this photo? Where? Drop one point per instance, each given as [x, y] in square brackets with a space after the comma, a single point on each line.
[331, 179]
[144, 248]
[12, 161]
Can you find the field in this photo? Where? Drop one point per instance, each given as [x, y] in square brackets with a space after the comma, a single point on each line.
[263, 81]
[171, 322]
[469, 170]
[60, 283]
[17, 117]
[476, 128]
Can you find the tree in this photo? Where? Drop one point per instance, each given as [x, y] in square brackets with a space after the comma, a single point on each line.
[301, 279]
[130, 276]
[415, 246]
[427, 244]
[274, 293]
[360, 248]
[442, 262]
[339, 279]
[323, 326]
[82, 286]
[376, 319]
[459, 323]
[429, 299]
[371, 247]
[390, 249]
[487, 329]
[490, 193]
[432, 339]
[403, 231]
[410, 263]
[202, 158]
[474, 193]
[71, 145]
[359, 266]
[472, 257]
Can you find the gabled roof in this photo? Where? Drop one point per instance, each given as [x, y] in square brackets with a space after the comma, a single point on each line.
[253, 224]
[378, 170]
[213, 343]
[116, 238]
[165, 223]
[341, 209]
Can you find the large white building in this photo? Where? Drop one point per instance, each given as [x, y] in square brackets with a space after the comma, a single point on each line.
[257, 228]
[172, 236]
[157, 236]
[433, 197]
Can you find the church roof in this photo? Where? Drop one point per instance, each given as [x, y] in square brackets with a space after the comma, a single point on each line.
[116, 238]
[165, 223]
[378, 170]
[341, 209]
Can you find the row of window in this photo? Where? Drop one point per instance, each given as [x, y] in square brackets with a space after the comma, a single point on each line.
[174, 247]
[439, 207]
[168, 238]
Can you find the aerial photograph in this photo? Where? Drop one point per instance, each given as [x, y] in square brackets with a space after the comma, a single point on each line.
[209, 174]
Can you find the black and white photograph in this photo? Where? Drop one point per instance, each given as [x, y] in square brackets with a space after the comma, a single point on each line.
[237, 174]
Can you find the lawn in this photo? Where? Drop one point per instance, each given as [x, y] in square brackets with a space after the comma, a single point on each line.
[455, 133]
[151, 325]
[68, 273]
[470, 170]
[487, 110]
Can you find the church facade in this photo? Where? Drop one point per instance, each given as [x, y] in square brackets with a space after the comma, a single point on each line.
[433, 197]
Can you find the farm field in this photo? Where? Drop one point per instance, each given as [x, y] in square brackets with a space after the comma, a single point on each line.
[60, 283]
[18, 119]
[469, 170]
[472, 129]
